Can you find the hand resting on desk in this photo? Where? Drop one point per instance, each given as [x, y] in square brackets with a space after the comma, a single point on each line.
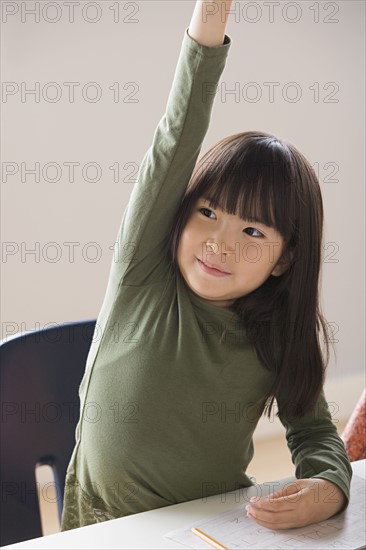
[301, 503]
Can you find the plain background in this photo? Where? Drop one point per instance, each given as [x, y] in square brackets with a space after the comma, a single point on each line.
[312, 51]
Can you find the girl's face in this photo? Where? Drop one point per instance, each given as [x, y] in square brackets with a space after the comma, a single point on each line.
[222, 257]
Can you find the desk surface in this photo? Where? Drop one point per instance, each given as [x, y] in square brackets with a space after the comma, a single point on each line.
[147, 530]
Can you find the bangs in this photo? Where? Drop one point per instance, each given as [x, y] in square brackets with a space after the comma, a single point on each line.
[252, 183]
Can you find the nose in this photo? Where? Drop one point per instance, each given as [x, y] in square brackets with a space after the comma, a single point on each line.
[219, 247]
[213, 246]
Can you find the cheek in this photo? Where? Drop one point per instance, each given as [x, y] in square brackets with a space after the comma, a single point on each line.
[190, 245]
[183, 246]
[188, 240]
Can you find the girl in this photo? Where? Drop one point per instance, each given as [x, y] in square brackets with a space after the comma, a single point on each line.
[210, 314]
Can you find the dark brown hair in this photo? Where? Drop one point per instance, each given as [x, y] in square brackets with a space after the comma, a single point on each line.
[260, 177]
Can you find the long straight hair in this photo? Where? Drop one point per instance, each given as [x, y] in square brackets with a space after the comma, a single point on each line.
[260, 177]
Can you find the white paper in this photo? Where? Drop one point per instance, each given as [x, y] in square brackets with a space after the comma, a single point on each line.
[235, 530]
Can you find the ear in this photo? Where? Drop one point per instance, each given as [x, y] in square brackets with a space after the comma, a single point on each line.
[283, 263]
[280, 269]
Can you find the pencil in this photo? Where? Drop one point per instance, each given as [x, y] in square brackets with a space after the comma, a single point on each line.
[208, 539]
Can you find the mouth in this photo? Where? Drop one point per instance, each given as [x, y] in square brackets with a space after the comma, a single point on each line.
[213, 270]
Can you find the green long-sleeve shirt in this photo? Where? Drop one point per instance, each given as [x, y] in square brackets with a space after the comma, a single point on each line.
[169, 405]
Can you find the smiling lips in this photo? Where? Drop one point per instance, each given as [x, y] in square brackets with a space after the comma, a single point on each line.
[212, 270]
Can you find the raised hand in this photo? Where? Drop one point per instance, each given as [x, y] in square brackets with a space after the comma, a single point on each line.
[208, 22]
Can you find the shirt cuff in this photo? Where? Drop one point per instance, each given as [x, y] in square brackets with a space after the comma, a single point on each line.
[207, 51]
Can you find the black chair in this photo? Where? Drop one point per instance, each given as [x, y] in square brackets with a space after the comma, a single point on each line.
[40, 374]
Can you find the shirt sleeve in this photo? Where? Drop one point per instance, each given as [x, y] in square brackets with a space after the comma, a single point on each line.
[316, 448]
[168, 164]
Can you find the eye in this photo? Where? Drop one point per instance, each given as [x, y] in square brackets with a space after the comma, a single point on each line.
[253, 232]
[207, 213]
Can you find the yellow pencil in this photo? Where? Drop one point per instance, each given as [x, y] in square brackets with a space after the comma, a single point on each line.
[208, 539]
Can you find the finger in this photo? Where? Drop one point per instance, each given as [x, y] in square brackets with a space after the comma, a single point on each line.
[289, 489]
[275, 526]
[280, 504]
[271, 516]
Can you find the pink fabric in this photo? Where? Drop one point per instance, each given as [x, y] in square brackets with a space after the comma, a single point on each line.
[354, 434]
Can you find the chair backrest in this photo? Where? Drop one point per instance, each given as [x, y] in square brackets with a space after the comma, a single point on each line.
[40, 374]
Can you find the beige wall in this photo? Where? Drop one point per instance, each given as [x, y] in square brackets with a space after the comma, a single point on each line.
[323, 60]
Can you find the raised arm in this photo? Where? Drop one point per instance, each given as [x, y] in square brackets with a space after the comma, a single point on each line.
[168, 164]
[208, 22]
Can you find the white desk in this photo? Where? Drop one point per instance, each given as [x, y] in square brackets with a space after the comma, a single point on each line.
[147, 530]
